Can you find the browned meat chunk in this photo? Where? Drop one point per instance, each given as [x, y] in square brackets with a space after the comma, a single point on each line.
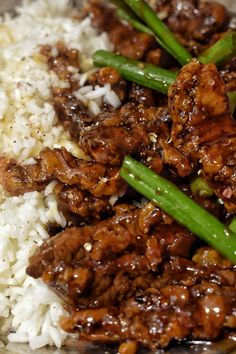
[109, 137]
[219, 168]
[72, 113]
[59, 164]
[110, 76]
[195, 21]
[139, 130]
[118, 286]
[110, 144]
[60, 62]
[80, 202]
[228, 73]
[134, 130]
[127, 41]
[199, 108]
[127, 242]
[153, 316]
[203, 127]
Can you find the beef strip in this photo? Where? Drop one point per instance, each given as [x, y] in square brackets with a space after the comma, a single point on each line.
[59, 164]
[62, 60]
[138, 130]
[228, 73]
[154, 317]
[119, 285]
[110, 76]
[72, 113]
[203, 127]
[195, 22]
[133, 130]
[128, 242]
[80, 202]
[127, 41]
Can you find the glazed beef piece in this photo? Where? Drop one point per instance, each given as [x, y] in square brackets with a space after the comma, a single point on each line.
[80, 202]
[199, 108]
[138, 128]
[219, 166]
[84, 188]
[203, 127]
[60, 165]
[197, 23]
[119, 284]
[134, 129]
[127, 41]
[117, 134]
[228, 73]
[110, 76]
[154, 315]
[133, 242]
[72, 113]
[116, 244]
[61, 60]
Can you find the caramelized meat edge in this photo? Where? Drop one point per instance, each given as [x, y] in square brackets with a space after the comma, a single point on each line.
[203, 128]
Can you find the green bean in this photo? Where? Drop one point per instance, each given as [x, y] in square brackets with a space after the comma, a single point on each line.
[148, 16]
[144, 74]
[183, 209]
[125, 13]
[223, 50]
[232, 225]
[232, 100]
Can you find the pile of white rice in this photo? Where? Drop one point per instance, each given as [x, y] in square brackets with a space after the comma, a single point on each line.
[29, 311]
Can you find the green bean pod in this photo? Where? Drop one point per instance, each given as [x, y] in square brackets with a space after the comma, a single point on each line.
[183, 209]
[148, 16]
[144, 74]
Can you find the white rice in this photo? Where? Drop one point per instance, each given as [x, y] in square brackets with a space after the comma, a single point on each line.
[29, 302]
[29, 311]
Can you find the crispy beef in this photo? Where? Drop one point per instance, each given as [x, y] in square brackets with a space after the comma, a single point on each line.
[195, 22]
[137, 129]
[72, 113]
[203, 127]
[62, 60]
[153, 317]
[110, 76]
[127, 41]
[80, 202]
[60, 165]
[133, 130]
[119, 285]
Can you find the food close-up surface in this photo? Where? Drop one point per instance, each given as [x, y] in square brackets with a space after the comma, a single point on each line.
[117, 176]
